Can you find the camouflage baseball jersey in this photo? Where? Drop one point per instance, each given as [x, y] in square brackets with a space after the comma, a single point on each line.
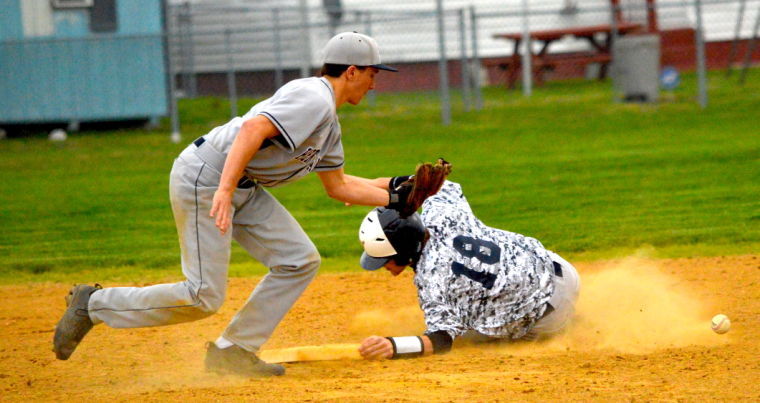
[474, 277]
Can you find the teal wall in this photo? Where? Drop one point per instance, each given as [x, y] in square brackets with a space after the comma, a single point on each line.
[134, 17]
[57, 80]
[71, 23]
[78, 76]
[144, 16]
[10, 20]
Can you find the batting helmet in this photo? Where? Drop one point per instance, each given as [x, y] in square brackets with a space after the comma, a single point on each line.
[385, 236]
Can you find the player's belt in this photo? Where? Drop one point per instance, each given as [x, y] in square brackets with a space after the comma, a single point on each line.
[216, 159]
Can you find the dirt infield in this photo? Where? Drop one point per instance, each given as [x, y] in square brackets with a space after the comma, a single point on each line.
[641, 333]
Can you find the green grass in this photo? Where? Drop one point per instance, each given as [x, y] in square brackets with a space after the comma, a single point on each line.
[588, 177]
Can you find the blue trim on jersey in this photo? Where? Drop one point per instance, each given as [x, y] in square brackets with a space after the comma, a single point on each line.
[322, 80]
[328, 167]
[282, 130]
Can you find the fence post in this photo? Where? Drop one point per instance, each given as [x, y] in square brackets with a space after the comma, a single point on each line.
[175, 136]
[443, 71]
[188, 49]
[75, 89]
[615, 13]
[475, 65]
[527, 52]
[463, 61]
[180, 15]
[193, 82]
[306, 38]
[371, 96]
[701, 69]
[277, 48]
[750, 50]
[183, 54]
[231, 83]
[737, 34]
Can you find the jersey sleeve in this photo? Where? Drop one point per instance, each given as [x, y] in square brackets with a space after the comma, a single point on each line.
[441, 316]
[296, 115]
[440, 313]
[333, 159]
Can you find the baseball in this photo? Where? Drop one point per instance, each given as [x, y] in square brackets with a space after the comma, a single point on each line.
[57, 135]
[720, 323]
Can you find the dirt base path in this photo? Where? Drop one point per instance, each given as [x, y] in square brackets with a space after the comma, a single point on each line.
[641, 333]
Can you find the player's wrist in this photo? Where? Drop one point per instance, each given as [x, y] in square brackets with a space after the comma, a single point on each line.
[396, 181]
[407, 347]
[440, 340]
[226, 189]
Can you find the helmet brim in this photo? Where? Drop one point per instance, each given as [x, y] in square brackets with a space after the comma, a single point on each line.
[368, 262]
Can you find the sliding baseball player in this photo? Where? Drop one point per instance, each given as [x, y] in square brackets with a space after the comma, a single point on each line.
[471, 279]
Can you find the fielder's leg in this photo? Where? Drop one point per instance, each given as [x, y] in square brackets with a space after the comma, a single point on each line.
[271, 235]
[205, 257]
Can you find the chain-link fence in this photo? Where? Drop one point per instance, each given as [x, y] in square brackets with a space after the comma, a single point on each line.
[453, 48]
[241, 47]
[247, 49]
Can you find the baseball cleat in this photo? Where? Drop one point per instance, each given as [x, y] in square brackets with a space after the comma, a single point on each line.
[75, 322]
[235, 360]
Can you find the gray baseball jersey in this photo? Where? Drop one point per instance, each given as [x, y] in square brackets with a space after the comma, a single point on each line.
[474, 277]
[304, 113]
[303, 145]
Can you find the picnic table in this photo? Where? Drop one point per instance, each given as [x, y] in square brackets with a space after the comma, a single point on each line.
[599, 36]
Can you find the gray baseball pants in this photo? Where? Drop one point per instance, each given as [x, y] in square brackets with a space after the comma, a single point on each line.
[566, 290]
[260, 224]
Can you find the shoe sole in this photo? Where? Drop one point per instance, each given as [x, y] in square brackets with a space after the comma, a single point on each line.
[69, 331]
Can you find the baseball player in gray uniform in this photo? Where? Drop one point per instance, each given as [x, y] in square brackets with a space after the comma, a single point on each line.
[471, 279]
[217, 191]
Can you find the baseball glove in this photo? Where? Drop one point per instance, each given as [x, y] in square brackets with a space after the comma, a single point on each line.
[409, 192]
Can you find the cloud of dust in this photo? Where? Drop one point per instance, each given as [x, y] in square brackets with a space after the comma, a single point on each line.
[407, 321]
[632, 307]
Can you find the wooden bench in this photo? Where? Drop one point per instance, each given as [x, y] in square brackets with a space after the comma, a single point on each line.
[545, 61]
[549, 62]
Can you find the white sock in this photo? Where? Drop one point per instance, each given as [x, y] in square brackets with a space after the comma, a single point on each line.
[223, 343]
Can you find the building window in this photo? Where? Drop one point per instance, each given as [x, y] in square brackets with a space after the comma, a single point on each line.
[71, 3]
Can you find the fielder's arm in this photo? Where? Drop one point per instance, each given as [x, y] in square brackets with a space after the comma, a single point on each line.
[252, 134]
[377, 347]
[381, 183]
[353, 189]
